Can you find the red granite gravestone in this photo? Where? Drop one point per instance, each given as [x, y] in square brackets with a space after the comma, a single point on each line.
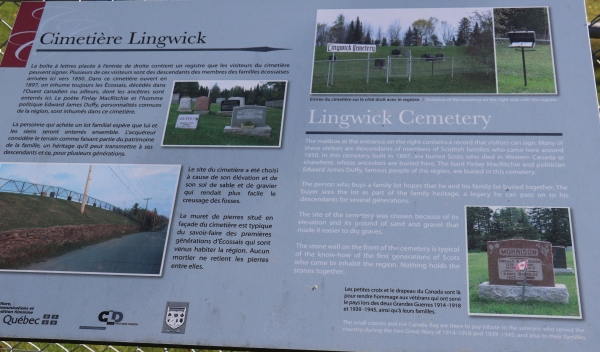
[202, 103]
[504, 255]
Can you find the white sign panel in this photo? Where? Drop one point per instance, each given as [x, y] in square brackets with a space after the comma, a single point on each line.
[358, 214]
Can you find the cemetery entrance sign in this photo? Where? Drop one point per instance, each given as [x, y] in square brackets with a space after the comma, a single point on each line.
[282, 175]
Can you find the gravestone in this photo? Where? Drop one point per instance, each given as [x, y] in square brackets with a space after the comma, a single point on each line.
[450, 43]
[504, 255]
[241, 99]
[227, 107]
[175, 98]
[185, 104]
[202, 105]
[407, 53]
[560, 260]
[559, 257]
[379, 63]
[506, 275]
[256, 114]
[395, 52]
[187, 121]
[401, 46]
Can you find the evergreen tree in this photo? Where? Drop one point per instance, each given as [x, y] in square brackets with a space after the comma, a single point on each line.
[135, 209]
[358, 32]
[350, 33]
[186, 89]
[415, 37]
[476, 32]
[464, 30]
[407, 37]
[215, 92]
[368, 39]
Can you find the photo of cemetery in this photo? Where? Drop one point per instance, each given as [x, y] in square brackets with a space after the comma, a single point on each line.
[521, 262]
[225, 114]
[524, 56]
[404, 51]
[85, 219]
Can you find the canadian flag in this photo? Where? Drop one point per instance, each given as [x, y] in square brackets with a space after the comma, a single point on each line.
[521, 266]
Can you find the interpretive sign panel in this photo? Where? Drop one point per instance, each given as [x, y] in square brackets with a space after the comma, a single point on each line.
[371, 202]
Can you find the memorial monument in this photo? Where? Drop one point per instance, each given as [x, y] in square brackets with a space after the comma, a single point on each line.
[521, 269]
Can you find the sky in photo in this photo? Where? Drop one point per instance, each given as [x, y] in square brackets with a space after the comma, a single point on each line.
[119, 185]
[385, 17]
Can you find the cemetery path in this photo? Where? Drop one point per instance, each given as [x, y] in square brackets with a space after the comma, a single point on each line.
[138, 253]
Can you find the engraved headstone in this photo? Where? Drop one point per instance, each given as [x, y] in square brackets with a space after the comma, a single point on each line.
[228, 105]
[185, 104]
[175, 98]
[256, 114]
[241, 99]
[407, 53]
[559, 256]
[202, 104]
[503, 256]
[187, 121]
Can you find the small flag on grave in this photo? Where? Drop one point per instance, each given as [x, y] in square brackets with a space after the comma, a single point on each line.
[521, 266]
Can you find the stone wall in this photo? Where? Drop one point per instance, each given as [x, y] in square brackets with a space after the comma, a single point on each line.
[20, 243]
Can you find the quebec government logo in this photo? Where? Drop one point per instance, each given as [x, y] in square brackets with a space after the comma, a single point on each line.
[47, 319]
[108, 318]
[24, 315]
[50, 319]
[175, 317]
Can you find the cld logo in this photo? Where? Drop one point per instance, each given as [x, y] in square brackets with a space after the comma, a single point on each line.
[110, 317]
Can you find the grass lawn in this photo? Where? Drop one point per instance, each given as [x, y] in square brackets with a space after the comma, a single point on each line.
[27, 211]
[478, 273]
[350, 73]
[539, 66]
[210, 130]
[8, 13]
[19, 211]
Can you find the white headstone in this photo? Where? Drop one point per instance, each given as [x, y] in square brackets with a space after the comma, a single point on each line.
[187, 121]
[241, 99]
[185, 104]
